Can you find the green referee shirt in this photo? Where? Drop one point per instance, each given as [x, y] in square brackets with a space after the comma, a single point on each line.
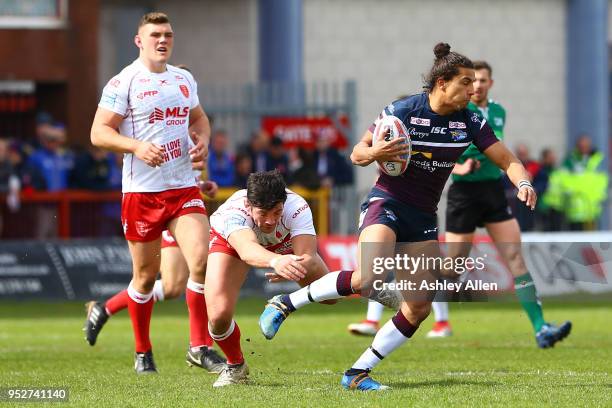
[495, 116]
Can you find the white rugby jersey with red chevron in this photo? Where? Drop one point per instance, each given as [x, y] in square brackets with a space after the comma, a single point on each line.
[233, 216]
[155, 108]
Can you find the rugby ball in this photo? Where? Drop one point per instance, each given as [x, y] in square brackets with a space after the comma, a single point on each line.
[393, 128]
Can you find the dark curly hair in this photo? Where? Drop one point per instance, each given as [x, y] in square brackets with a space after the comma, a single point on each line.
[265, 189]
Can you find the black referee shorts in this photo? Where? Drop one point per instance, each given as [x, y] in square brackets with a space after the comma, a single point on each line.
[473, 204]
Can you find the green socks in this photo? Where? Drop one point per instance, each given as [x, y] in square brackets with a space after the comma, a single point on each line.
[528, 297]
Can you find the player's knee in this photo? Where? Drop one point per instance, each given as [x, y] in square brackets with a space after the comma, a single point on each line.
[173, 291]
[143, 282]
[197, 265]
[220, 321]
[220, 314]
[515, 260]
[175, 288]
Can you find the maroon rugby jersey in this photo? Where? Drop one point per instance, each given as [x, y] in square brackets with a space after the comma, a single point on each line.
[437, 142]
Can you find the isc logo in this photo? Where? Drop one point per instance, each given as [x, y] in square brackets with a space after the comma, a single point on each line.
[438, 130]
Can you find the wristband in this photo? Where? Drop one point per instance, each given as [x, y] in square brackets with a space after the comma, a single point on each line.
[524, 183]
[273, 261]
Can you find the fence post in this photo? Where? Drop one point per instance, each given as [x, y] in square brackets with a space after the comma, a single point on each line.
[63, 216]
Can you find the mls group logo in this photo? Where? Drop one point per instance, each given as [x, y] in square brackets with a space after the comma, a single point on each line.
[184, 90]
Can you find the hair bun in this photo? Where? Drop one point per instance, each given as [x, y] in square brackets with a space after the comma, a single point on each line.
[441, 50]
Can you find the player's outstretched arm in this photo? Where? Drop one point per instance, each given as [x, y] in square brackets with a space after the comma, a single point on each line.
[104, 134]
[244, 241]
[518, 175]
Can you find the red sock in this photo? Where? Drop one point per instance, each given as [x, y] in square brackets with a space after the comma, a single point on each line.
[230, 344]
[118, 302]
[140, 313]
[198, 318]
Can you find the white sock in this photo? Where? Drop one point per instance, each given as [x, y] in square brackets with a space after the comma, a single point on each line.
[158, 291]
[386, 341]
[138, 297]
[440, 310]
[323, 288]
[223, 336]
[195, 286]
[375, 311]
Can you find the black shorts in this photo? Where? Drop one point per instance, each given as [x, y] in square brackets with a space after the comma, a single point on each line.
[409, 223]
[473, 204]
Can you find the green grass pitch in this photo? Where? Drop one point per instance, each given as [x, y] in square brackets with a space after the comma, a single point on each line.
[492, 360]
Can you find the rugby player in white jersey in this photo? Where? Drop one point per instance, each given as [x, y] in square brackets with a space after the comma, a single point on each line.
[148, 112]
[265, 226]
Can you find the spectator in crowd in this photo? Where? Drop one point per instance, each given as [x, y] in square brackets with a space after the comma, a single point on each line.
[52, 159]
[277, 157]
[95, 169]
[220, 162]
[548, 218]
[332, 167]
[30, 177]
[55, 163]
[111, 212]
[548, 162]
[579, 187]
[244, 166]
[258, 150]
[523, 154]
[44, 121]
[305, 173]
[7, 171]
[583, 157]
[9, 180]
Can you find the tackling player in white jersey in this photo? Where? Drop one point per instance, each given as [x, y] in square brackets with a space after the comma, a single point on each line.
[265, 226]
[148, 112]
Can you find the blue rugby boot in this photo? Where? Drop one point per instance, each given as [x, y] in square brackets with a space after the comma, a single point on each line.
[549, 334]
[274, 314]
[354, 379]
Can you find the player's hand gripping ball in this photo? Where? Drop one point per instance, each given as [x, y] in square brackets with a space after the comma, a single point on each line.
[393, 128]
